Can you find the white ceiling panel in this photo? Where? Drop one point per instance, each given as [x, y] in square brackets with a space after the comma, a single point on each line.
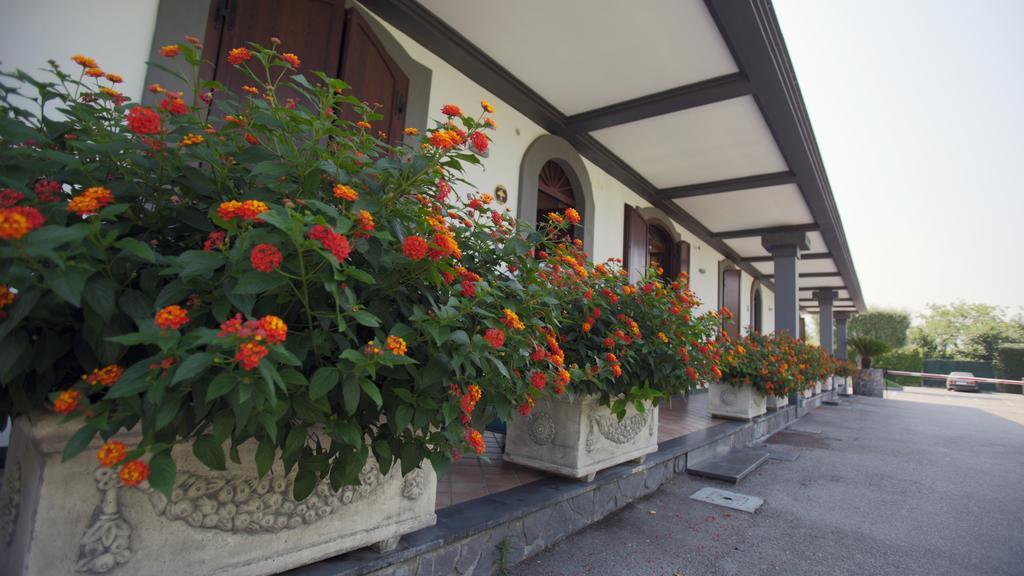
[831, 281]
[719, 141]
[747, 247]
[746, 209]
[584, 54]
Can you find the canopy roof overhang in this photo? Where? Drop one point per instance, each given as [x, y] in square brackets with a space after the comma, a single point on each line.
[691, 104]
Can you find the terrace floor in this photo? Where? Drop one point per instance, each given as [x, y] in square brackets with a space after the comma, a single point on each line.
[477, 476]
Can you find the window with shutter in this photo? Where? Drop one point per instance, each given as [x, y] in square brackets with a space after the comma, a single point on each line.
[683, 256]
[634, 250]
[554, 193]
[660, 251]
[731, 300]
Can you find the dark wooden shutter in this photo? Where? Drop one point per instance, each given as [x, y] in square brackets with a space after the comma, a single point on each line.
[374, 76]
[311, 29]
[731, 300]
[682, 263]
[634, 249]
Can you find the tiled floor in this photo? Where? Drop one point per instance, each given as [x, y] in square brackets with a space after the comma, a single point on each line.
[474, 477]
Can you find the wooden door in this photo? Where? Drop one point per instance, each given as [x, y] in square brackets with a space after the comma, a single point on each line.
[634, 250]
[311, 29]
[683, 257]
[731, 300]
[374, 76]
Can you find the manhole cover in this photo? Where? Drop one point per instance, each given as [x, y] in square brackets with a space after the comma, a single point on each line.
[780, 453]
[799, 439]
[733, 500]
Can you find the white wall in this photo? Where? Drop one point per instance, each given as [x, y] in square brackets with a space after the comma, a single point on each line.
[116, 33]
[515, 133]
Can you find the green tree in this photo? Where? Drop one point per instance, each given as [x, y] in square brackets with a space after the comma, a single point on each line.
[966, 330]
[888, 326]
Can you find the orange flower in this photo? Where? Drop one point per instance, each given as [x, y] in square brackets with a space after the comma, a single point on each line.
[17, 221]
[274, 328]
[445, 139]
[6, 295]
[191, 140]
[396, 345]
[66, 401]
[94, 72]
[291, 59]
[412, 132]
[511, 319]
[246, 211]
[371, 349]
[90, 201]
[84, 61]
[114, 78]
[490, 123]
[364, 125]
[134, 473]
[476, 441]
[414, 248]
[251, 90]
[347, 193]
[155, 88]
[487, 106]
[111, 453]
[451, 110]
[171, 317]
[572, 215]
[170, 51]
[106, 376]
[365, 221]
[238, 55]
[250, 354]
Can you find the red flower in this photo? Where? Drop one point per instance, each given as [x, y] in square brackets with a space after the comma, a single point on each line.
[17, 221]
[214, 240]
[171, 317]
[67, 401]
[111, 453]
[173, 105]
[538, 380]
[451, 110]
[476, 441]
[9, 197]
[291, 59]
[250, 354]
[170, 51]
[480, 142]
[333, 242]
[48, 190]
[238, 55]
[134, 473]
[495, 337]
[468, 288]
[142, 120]
[414, 248]
[265, 257]
[572, 215]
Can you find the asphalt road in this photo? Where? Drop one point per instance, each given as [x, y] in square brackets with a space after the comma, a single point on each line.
[924, 482]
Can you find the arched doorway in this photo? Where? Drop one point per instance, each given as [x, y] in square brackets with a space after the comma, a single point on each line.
[554, 193]
[660, 247]
[756, 302]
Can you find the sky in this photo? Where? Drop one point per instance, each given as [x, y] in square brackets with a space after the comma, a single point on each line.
[918, 109]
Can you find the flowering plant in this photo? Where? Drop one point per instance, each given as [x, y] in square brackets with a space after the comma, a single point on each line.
[844, 368]
[624, 343]
[224, 270]
[768, 362]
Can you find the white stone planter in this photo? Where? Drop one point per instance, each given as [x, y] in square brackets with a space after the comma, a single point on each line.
[774, 402]
[807, 393]
[842, 385]
[76, 517]
[577, 437]
[735, 402]
[826, 384]
[817, 388]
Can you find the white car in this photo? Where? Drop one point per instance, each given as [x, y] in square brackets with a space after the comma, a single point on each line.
[955, 381]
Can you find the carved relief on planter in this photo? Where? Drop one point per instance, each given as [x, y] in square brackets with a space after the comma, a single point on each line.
[10, 502]
[736, 402]
[228, 502]
[613, 430]
[541, 428]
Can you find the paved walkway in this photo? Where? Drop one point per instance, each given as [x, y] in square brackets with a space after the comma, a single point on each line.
[925, 482]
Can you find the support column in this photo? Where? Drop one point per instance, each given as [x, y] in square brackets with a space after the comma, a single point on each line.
[841, 319]
[825, 299]
[785, 249]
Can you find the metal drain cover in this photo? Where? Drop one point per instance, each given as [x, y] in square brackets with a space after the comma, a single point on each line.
[733, 500]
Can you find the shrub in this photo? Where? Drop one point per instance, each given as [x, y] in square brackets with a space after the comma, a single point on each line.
[261, 270]
[1011, 361]
[867, 348]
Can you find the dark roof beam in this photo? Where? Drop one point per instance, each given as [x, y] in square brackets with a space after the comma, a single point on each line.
[756, 232]
[730, 185]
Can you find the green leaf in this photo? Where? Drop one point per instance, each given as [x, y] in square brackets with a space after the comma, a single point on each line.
[357, 274]
[78, 442]
[192, 366]
[168, 410]
[305, 482]
[258, 282]
[223, 424]
[100, 294]
[133, 338]
[134, 380]
[209, 452]
[323, 381]
[68, 284]
[366, 318]
[137, 248]
[199, 262]
[162, 472]
[265, 457]
[403, 415]
[281, 354]
[269, 423]
[54, 236]
[371, 390]
[350, 391]
[350, 433]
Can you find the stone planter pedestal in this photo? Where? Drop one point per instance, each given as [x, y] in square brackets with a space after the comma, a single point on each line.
[774, 402]
[869, 382]
[577, 437]
[735, 402]
[76, 517]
